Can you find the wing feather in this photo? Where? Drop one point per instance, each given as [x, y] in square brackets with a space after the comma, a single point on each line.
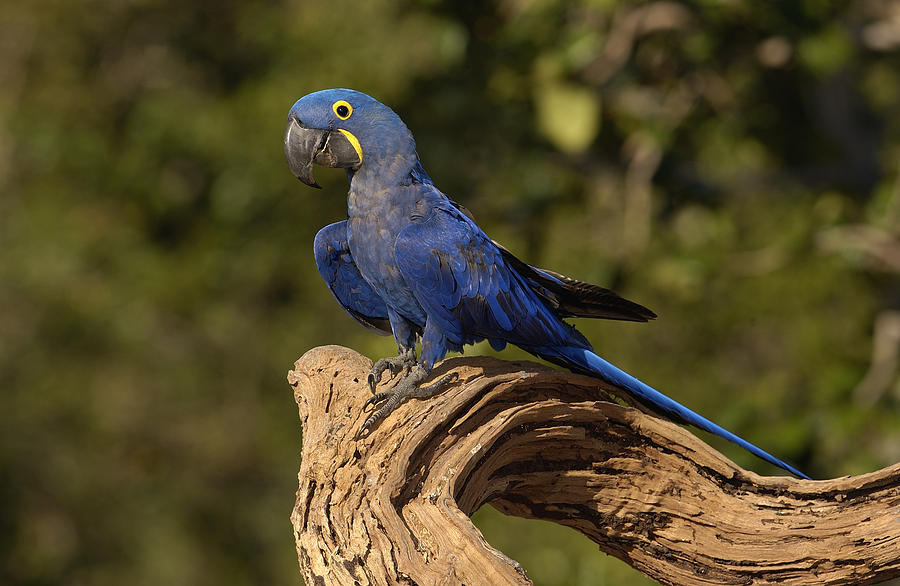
[352, 291]
[465, 284]
[574, 298]
[571, 297]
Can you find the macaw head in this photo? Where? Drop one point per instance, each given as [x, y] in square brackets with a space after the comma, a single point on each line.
[348, 129]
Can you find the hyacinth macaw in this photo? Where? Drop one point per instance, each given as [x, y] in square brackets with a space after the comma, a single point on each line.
[409, 261]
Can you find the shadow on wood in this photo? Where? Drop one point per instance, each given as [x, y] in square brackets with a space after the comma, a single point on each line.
[394, 507]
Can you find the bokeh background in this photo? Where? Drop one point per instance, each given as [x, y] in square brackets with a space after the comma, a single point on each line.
[732, 165]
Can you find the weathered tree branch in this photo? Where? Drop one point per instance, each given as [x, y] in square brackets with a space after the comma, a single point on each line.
[394, 507]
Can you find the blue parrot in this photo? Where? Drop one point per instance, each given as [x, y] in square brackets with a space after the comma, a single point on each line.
[411, 262]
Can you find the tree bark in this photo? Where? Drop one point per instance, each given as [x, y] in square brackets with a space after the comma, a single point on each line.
[394, 507]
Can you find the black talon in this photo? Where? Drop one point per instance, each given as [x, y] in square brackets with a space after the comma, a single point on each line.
[362, 430]
[374, 399]
[401, 363]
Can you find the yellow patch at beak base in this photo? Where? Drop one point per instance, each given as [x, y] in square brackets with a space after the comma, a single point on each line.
[353, 141]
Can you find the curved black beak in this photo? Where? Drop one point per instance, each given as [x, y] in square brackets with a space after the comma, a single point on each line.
[304, 146]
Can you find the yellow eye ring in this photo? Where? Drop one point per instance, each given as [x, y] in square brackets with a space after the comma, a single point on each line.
[342, 109]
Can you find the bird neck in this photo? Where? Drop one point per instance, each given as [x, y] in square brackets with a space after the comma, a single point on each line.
[387, 187]
[388, 154]
[379, 171]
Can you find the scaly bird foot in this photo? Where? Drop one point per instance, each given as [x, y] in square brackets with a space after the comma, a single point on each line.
[402, 363]
[407, 388]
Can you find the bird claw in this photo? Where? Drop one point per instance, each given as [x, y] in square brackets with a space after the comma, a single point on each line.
[375, 399]
[407, 388]
[401, 363]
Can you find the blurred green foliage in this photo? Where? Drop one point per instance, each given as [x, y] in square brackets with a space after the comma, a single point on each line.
[733, 165]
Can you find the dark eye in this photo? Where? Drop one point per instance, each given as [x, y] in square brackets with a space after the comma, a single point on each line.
[343, 109]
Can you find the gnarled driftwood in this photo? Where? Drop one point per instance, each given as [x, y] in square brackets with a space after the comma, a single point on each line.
[394, 507]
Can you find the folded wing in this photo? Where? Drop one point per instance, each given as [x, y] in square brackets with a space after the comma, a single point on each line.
[356, 296]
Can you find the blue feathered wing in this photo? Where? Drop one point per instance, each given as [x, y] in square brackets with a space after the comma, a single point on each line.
[352, 291]
[468, 291]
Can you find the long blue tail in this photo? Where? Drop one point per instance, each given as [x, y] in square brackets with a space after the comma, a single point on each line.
[586, 360]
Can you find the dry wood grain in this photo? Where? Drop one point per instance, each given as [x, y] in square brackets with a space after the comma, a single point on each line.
[394, 507]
